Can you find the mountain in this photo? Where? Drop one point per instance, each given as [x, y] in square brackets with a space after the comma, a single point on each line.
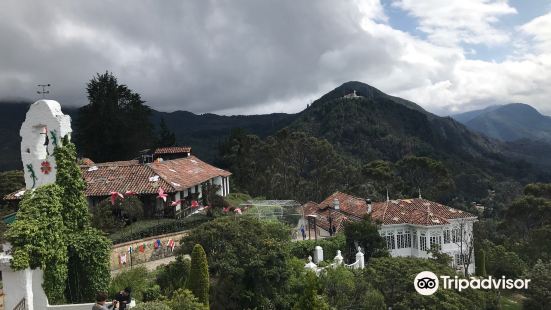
[202, 132]
[378, 126]
[509, 122]
[205, 132]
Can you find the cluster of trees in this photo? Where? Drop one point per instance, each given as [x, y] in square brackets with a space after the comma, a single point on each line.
[295, 165]
[116, 124]
[253, 264]
[182, 284]
[53, 232]
[515, 243]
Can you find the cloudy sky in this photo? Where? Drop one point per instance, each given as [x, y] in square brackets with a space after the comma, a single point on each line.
[250, 56]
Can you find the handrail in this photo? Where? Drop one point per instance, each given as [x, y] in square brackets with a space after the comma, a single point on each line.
[22, 305]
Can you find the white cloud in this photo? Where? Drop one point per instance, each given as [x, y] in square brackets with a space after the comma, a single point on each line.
[249, 57]
[453, 22]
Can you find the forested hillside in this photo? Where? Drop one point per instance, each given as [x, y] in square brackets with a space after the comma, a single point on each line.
[372, 144]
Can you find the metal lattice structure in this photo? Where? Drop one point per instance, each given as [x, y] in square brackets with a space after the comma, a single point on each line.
[271, 209]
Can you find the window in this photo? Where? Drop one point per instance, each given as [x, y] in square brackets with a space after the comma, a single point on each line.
[435, 239]
[415, 240]
[403, 239]
[423, 241]
[460, 259]
[456, 235]
[389, 238]
[447, 237]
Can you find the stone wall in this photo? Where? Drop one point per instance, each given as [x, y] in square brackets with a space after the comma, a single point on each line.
[149, 253]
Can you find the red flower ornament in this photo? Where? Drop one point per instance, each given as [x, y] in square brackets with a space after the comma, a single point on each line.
[45, 167]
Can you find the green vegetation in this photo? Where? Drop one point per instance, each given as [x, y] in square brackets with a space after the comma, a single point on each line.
[198, 282]
[53, 232]
[138, 278]
[148, 228]
[37, 239]
[115, 125]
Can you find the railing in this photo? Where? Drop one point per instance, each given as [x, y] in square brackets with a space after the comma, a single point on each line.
[22, 305]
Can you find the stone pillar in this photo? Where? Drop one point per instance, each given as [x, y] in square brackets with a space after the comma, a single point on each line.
[318, 254]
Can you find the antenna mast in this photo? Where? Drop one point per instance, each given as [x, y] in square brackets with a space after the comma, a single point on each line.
[44, 92]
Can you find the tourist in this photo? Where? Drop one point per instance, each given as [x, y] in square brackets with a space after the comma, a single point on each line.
[303, 232]
[101, 300]
[123, 297]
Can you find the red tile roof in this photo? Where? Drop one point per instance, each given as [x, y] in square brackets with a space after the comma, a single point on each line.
[121, 176]
[186, 172]
[86, 161]
[415, 211]
[172, 150]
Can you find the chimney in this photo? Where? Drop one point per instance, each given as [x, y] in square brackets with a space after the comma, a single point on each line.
[369, 208]
[336, 204]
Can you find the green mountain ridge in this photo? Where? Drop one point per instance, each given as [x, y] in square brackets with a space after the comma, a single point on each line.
[509, 122]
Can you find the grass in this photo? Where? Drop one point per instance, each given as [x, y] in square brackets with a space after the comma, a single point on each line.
[235, 199]
[143, 224]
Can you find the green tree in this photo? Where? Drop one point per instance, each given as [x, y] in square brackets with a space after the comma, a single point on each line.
[426, 174]
[502, 262]
[246, 257]
[365, 234]
[87, 248]
[138, 278]
[373, 300]
[37, 238]
[184, 300]
[539, 292]
[152, 305]
[310, 299]
[115, 125]
[394, 277]
[174, 275]
[165, 137]
[198, 282]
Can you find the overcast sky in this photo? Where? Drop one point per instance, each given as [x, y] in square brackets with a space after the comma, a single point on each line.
[246, 57]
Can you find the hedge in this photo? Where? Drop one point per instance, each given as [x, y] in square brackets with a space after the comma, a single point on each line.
[305, 248]
[163, 228]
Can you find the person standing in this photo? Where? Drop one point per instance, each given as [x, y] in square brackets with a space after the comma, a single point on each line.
[101, 300]
[123, 298]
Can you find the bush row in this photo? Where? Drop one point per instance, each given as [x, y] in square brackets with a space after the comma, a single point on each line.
[302, 249]
[163, 228]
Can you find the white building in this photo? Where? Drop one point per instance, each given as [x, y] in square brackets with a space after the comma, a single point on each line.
[409, 226]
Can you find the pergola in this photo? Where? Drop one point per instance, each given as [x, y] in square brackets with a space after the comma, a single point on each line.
[276, 209]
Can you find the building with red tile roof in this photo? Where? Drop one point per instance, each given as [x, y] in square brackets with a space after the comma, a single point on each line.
[181, 179]
[409, 226]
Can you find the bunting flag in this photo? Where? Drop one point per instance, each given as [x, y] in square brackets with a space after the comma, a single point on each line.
[170, 244]
[157, 244]
[130, 250]
[141, 248]
[194, 204]
[122, 259]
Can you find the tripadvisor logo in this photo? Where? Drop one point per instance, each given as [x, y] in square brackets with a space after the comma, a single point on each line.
[427, 283]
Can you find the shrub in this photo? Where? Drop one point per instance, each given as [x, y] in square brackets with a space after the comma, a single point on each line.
[184, 300]
[199, 274]
[102, 217]
[138, 278]
[131, 209]
[163, 228]
[303, 249]
[152, 293]
[152, 305]
[173, 276]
